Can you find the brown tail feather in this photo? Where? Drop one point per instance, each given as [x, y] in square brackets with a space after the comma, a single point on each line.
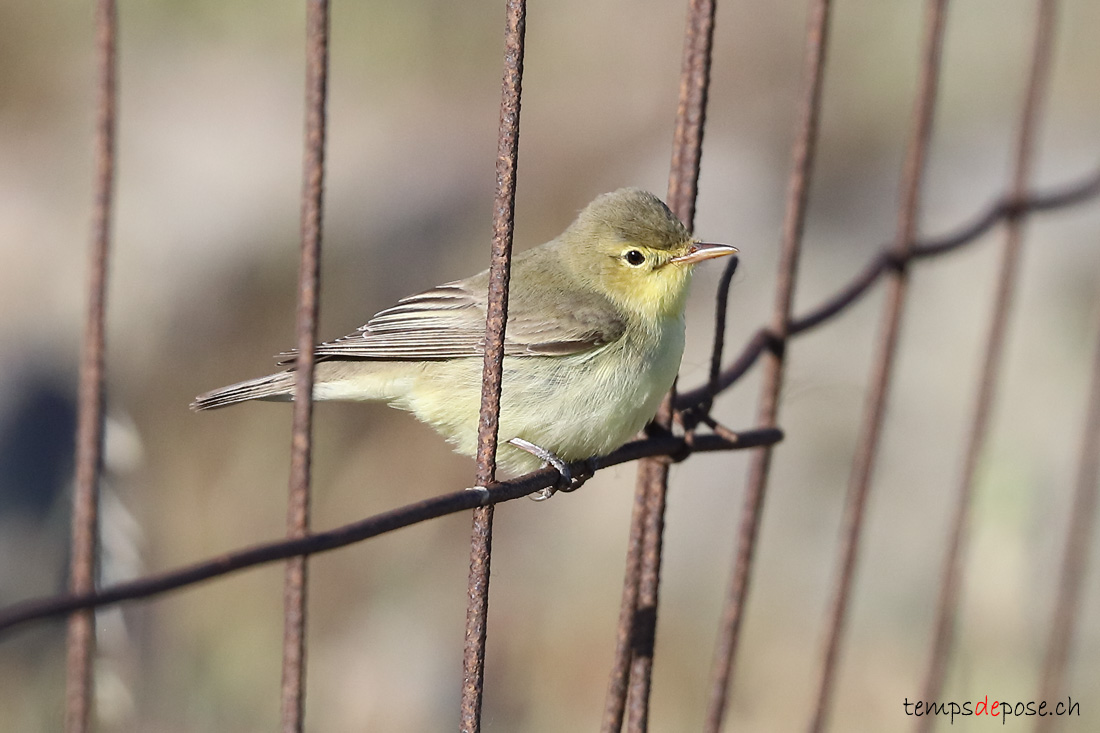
[277, 387]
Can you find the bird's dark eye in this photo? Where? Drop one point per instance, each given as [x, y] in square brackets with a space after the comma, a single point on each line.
[635, 258]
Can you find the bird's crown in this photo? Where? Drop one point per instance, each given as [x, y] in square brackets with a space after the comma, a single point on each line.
[632, 215]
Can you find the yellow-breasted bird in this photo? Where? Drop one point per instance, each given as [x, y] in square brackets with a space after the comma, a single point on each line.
[593, 341]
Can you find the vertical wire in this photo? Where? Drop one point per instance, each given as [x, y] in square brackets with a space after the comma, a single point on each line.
[798, 187]
[952, 578]
[652, 483]
[298, 504]
[652, 478]
[882, 370]
[615, 704]
[473, 660]
[691, 111]
[81, 642]
[1078, 542]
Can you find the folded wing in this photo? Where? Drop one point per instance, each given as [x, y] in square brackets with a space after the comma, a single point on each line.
[448, 322]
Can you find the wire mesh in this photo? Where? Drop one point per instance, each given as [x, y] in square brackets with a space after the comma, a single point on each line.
[631, 677]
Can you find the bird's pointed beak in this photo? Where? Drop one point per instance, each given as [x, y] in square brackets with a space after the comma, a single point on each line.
[700, 251]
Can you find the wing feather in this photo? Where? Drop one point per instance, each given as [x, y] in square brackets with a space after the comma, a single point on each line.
[448, 322]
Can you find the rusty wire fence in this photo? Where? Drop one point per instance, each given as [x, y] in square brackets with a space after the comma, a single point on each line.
[685, 425]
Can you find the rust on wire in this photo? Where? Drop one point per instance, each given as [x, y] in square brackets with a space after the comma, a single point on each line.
[150, 585]
[1082, 527]
[952, 578]
[652, 480]
[691, 111]
[886, 350]
[295, 583]
[81, 642]
[615, 704]
[725, 650]
[652, 483]
[473, 659]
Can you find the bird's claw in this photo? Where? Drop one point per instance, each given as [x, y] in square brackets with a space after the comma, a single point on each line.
[484, 492]
[577, 481]
[566, 480]
[543, 494]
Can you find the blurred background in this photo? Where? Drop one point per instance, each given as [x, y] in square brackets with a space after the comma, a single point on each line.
[202, 294]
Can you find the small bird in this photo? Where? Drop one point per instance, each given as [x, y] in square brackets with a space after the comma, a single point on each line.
[593, 341]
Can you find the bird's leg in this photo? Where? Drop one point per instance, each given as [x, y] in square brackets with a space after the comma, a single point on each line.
[571, 483]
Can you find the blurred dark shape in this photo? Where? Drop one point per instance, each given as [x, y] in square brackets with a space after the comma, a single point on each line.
[36, 446]
[37, 434]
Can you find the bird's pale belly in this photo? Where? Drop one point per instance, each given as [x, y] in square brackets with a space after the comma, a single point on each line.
[575, 406]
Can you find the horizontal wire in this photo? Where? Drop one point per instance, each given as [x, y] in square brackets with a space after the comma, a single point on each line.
[452, 503]
[1005, 208]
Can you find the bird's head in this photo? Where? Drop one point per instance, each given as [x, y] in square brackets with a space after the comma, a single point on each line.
[628, 246]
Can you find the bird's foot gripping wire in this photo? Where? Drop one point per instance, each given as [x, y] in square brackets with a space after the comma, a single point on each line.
[567, 481]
